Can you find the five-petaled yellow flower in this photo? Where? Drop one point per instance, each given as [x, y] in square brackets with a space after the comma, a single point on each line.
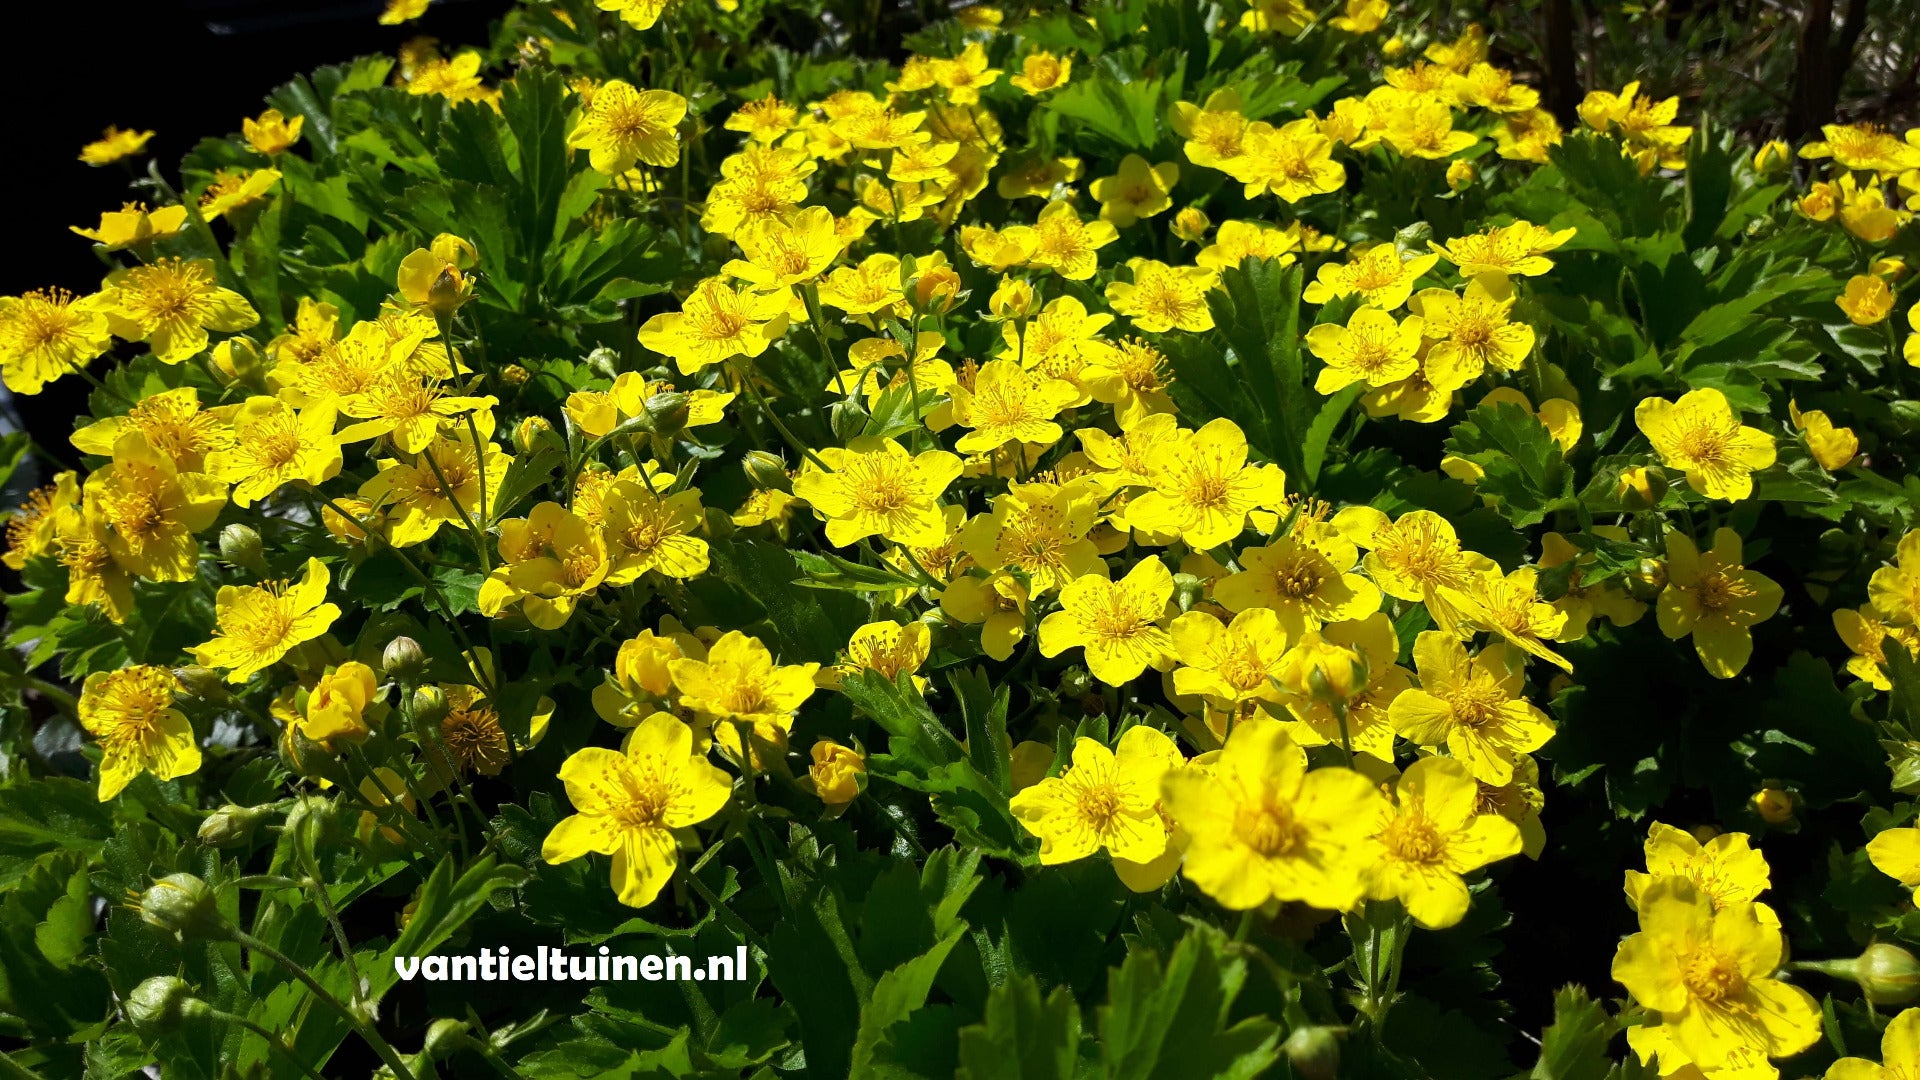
[717, 323]
[1121, 624]
[623, 126]
[1702, 436]
[171, 304]
[1008, 403]
[130, 713]
[628, 805]
[876, 488]
[1716, 599]
[1435, 833]
[1106, 800]
[1472, 706]
[738, 683]
[1263, 827]
[259, 623]
[1203, 487]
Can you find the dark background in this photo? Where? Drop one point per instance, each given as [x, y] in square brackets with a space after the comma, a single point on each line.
[186, 69]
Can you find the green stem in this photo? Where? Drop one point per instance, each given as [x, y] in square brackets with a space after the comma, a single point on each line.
[479, 537]
[366, 1030]
[816, 318]
[746, 380]
[274, 1040]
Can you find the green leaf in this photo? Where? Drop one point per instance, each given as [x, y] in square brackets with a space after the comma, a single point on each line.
[527, 474]
[902, 711]
[1257, 309]
[1125, 114]
[897, 994]
[1523, 466]
[1023, 1035]
[830, 571]
[1313, 451]
[534, 105]
[48, 814]
[1574, 1047]
[1168, 1020]
[447, 901]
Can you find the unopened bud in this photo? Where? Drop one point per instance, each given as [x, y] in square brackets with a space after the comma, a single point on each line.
[1641, 487]
[232, 825]
[1774, 806]
[161, 1005]
[1459, 175]
[240, 545]
[848, 419]
[1314, 1053]
[443, 1038]
[313, 821]
[669, 411]
[204, 684]
[515, 375]
[1013, 299]
[430, 705]
[184, 905]
[403, 659]
[1191, 224]
[766, 471]
[936, 290]
[1887, 974]
[1772, 157]
[532, 433]
[307, 758]
[238, 360]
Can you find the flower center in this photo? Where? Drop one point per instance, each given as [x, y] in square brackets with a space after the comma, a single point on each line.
[1412, 838]
[1268, 829]
[1711, 977]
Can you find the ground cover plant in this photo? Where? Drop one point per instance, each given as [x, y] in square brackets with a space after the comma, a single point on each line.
[1146, 539]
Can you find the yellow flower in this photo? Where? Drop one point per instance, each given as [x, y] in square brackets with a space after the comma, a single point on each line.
[1264, 828]
[1373, 348]
[272, 133]
[1582, 602]
[1862, 147]
[1063, 341]
[836, 771]
[1042, 71]
[130, 713]
[1472, 329]
[1867, 634]
[33, 527]
[640, 678]
[1039, 529]
[716, 324]
[1133, 377]
[551, 558]
[738, 683]
[623, 126]
[996, 603]
[864, 289]
[46, 334]
[149, 510]
[1120, 624]
[1493, 89]
[457, 79]
[1417, 557]
[1894, 591]
[171, 304]
[1713, 597]
[781, 253]
[875, 488]
[1527, 136]
[1646, 125]
[757, 184]
[639, 14]
[1517, 249]
[113, 144]
[1213, 132]
[407, 409]
[472, 734]
[1367, 726]
[1307, 578]
[1106, 800]
[274, 445]
[1896, 853]
[403, 11]
[259, 623]
[628, 805]
[1292, 161]
[232, 189]
[1899, 1053]
[1433, 835]
[763, 120]
[1360, 17]
[1162, 298]
[1833, 447]
[342, 704]
[1061, 242]
[134, 224]
[965, 75]
[1510, 605]
[1709, 976]
[1277, 17]
[887, 648]
[415, 500]
[1471, 705]
[1008, 403]
[1725, 869]
[878, 127]
[1239, 240]
[1867, 301]
[1864, 211]
[1203, 487]
[1378, 274]
[1137, 190]
[646, 531]
[1702, 436]
[1421, 126]
[94, 577]
[434, 277]
[1232, 663]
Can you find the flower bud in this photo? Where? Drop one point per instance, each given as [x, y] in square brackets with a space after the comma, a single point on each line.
[444, 1036]
[668, 411]
[766, 470]
[1773, 157]
[430, 705]
[1321, 670]
[1774, 806]
[313, 821]
[1459, 175]
[184, 905]
[1888, 974]
[848, 419]
[238, 360]
[232, 825]
[1314, 1053]
[403, 659]
[1191, 224]
[240, 546]
[1394, 47]
[305, 757]
[203, 684]
[515, 375]
[836, 772]
[160, 1005]
[1013, 299]
[937, 290]
[1641, 487]
[532, 433]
